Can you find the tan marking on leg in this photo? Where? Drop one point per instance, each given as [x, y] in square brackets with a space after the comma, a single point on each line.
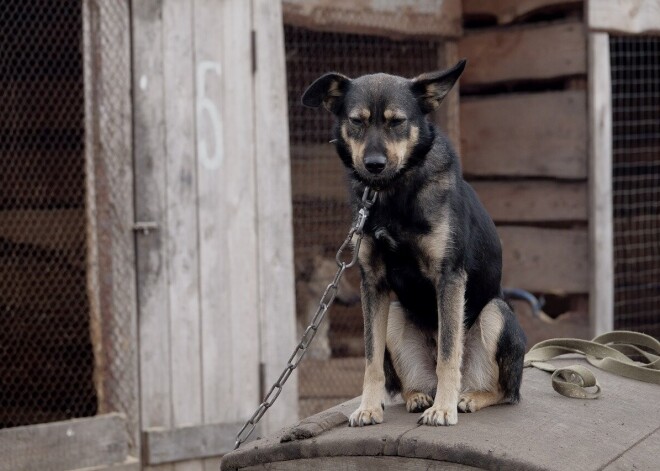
[475, 400]
[375, 305]
[480, 369]
[444, 409]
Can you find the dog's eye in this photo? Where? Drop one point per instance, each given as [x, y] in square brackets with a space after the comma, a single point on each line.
[394, 122]
[356, 121]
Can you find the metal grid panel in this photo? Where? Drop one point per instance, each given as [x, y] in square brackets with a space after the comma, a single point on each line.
[46, 356]
[321, 215]
[635, 62]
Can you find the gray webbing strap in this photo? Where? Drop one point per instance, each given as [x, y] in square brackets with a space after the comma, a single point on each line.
[610, 352]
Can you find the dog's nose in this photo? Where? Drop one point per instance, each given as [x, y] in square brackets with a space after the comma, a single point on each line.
[375, 163]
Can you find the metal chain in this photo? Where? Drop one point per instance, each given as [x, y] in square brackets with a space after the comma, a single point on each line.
[368, 199]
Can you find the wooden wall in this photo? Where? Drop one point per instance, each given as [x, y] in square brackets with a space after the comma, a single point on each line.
[215, 278]
[524, 143]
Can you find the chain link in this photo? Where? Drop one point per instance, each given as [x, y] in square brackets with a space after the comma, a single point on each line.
[368, 199]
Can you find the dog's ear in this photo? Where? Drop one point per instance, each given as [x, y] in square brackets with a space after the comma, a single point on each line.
[431, 88]
[328, 90]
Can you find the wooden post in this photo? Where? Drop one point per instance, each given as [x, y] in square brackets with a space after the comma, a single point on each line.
[275, 230]
[601, 288]
[109, 205]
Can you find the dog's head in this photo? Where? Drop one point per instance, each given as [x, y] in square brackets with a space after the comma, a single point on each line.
[381, 126]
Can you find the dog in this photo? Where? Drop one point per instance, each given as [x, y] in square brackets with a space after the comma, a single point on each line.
[311, 281]
[449, 342]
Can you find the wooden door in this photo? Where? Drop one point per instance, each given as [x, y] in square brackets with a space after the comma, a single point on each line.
[215, 265]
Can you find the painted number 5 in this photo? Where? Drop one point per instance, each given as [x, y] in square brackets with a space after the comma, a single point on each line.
[206, 106]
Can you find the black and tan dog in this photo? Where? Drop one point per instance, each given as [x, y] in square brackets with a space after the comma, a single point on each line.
[450, 342]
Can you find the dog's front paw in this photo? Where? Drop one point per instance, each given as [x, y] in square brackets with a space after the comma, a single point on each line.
[437, 415]
[366, 416]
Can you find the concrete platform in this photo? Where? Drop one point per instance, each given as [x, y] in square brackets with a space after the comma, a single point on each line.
[546, 431]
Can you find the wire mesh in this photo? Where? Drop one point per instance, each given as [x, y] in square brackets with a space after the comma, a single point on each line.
[46, 356]
[635, 63]
[321, 215]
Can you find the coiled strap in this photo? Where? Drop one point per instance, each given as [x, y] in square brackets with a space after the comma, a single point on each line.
[611, 352]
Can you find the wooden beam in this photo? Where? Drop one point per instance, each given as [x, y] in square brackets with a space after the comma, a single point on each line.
[150, 203]
[188, 443]
[78, 443]
[545, 260]
[378, 17]
[533, 200]
[58, 229]
[503, 55]
[537, 134]
[508, 11]
[624, 16]
[601, 287]
[109, 204]
[277, 303]
[314, 373]
[131, 464]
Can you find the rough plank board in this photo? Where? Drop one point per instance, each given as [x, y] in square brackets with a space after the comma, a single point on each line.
[502, 55]
[624, 16]
[508, 11]
[59, 446]
[316, 372]
[606, 429]
[358, 463]
[131, 464]
[150, 175]
[180, 225]
[380, 17]
[533, 200]
[601, 243]
[110, 208]
[545, 260]
[530, 134]
[277, 303]
[188, 443]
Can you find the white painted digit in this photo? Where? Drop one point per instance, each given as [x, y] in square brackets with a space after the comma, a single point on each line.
[206, 105]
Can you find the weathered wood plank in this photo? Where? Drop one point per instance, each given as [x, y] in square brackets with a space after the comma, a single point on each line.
[381, 463]
[131, 464]
[378, 17]
[277, 304]
[533, 200]
[110, 208]
[182, 252]
[601, 238]
[501, 55]
[508, 11]
[78, 443]
[624, 16]
[537, 134]
[545, 260]
[227, 210]
[189, 443]
[150, 204]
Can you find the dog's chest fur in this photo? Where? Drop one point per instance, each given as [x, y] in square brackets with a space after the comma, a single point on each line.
[400, 239]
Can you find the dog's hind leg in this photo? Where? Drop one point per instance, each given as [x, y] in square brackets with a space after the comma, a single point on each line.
[492, 359]
[412, 353]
